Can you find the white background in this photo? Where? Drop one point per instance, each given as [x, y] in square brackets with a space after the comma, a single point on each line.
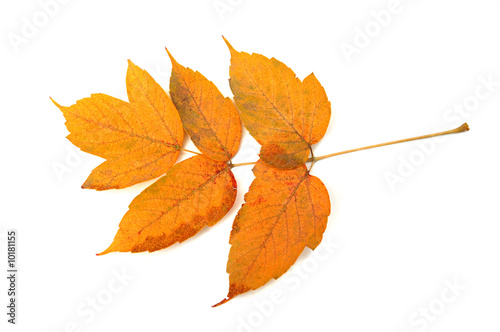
[394, 248]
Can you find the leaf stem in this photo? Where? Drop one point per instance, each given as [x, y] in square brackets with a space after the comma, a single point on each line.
[245, 164]
[186, 150]
[464, 127]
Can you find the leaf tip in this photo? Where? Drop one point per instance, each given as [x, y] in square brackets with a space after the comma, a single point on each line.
[171, 57]
[234, 290]
[107, 251]
[221, 302]
[131, 65]
[89, 185]
[55, 103]
[93, 182]
[231, 48]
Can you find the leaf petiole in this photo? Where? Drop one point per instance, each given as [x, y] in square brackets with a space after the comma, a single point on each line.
[464, 127]
[244, 164]
[186, 150]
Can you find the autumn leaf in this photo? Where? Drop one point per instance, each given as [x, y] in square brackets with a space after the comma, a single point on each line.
[211, 120]
[286, 116]
[195, 193]
[284, 211]
[286, 208]
[140, 140]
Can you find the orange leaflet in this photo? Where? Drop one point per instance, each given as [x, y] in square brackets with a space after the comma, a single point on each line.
[211, 120]
[195, 193]
[140, 140]
[286, 116]
[285, 211]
